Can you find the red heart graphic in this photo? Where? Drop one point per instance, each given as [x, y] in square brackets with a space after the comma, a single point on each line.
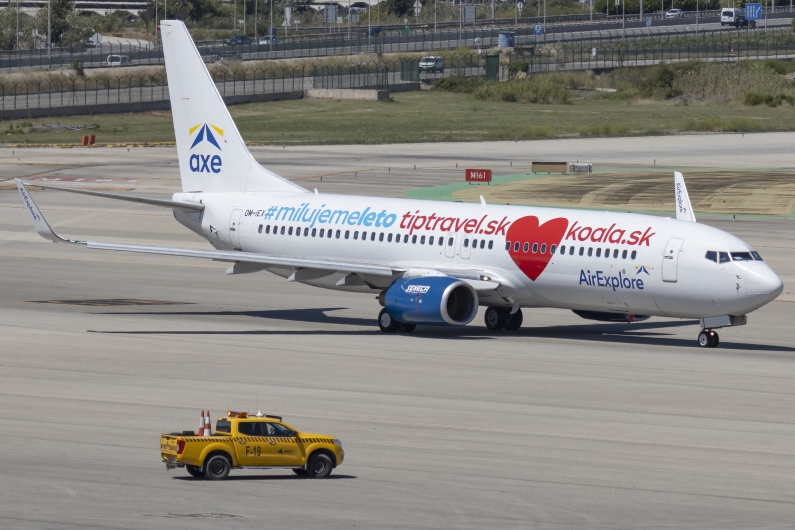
[525, 235]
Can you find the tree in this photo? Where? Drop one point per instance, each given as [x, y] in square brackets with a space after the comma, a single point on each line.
[399, 7]
[8, 28]
[60, 10]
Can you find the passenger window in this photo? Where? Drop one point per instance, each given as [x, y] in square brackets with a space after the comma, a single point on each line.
[372, 236]
[507, 245]
[615, 253]
[449, 241]
[306, 231]
[544, 249]
[322, 232]
[526, 247]
[430, 240]
[260, 229]
[582, 249]
[634, 254]
[535, 248]
[756, 255]
[268, 229]
[441, 241]
[397, 238]
[562, 249]
[338, 234]
[466, 242]
[356, 235]
[571, 251]
[282, 232]
[329, 233]
[590, 252]
[413, 240]
[491, 244]
[482, 243]
[389, 238]
[406, 238]
[598, 252]
[290, 231]
[380, 236]
[347, 234]
[711, 255]
[314, 232]
[724, 257]
[624, 255]
[607, 252]
[422, 240]
[364, 236]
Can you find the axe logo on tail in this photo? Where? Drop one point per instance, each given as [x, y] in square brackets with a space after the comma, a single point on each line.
[200, 163]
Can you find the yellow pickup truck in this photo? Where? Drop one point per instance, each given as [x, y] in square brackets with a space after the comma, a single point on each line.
[251, 442]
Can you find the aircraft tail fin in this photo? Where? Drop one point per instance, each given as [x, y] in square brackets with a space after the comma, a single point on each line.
[684, 211]
[212, 154]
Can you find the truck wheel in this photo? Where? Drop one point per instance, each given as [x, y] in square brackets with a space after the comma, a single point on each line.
[319, 466]
[195, 471]
[217, 468]
[300, 472]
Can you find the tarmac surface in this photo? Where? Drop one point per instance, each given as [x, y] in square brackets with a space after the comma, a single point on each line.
[563, 424]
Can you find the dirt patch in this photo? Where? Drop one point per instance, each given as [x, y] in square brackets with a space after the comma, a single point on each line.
[759, 192]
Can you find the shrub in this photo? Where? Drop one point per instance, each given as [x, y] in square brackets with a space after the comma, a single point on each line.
[542, 90]
[515, 68]
[461, 85]
[754, 99]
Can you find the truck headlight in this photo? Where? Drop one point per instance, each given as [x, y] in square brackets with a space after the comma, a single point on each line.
[337, 443]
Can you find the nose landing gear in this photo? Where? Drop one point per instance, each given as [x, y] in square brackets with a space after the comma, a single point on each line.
[708, 338]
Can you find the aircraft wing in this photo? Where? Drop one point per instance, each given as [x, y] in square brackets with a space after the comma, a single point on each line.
[132, 198]
[45, 230]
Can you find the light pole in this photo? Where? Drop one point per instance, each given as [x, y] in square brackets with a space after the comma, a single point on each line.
[270, 31]
[256, 2]
[349, 19]
[49, 30]
[234, 16]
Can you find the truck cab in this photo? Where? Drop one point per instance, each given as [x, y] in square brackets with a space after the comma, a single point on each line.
[242, 441]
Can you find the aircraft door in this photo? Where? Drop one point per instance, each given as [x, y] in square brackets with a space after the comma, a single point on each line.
[449, 244]
[671, 259]
[234, 228]
[466, 243]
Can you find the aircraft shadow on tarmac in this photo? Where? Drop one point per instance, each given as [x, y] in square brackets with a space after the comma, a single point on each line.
[640, 333]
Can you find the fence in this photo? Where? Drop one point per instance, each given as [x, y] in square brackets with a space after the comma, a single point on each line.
[563, 55]
[319, 45]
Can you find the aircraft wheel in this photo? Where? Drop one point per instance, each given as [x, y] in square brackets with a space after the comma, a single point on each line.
[495, 318]
[406, 328]
[703, 339]
[386, 322]
[714, 339]
[514, 321]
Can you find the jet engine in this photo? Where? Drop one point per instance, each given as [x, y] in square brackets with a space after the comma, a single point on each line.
[431, 300]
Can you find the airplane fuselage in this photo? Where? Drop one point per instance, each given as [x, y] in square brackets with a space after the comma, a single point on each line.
[627, 263]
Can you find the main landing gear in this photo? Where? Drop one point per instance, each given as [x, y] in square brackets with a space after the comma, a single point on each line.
[387, 324]
[498, 318]
[708, 338]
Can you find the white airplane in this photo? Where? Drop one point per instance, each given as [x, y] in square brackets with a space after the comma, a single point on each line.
[436, 262]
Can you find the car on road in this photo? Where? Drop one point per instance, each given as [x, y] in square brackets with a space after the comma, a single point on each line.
[118, 60]
[432, 64]
[239, 40]
[735, 17]
[243, 441]
[268, 39]
[376, 31]
[674, 13]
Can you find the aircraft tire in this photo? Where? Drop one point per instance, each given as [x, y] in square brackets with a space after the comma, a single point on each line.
[495, 318]
[406, 328]
[386, 323]
[704, 339]
[514, 321]
[714, 339]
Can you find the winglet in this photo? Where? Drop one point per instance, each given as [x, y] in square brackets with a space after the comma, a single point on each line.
[39, 222]
[684, 211]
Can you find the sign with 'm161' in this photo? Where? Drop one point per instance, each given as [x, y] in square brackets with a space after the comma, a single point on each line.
[479, 175]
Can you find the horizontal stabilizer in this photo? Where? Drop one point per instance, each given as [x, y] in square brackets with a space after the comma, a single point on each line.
[144, 200]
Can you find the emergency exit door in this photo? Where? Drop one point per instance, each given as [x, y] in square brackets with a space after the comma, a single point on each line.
[670, 260]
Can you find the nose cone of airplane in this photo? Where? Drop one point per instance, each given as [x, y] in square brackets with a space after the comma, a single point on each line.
[762, 282]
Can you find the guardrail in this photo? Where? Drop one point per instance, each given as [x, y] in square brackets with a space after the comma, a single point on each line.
[319, 45]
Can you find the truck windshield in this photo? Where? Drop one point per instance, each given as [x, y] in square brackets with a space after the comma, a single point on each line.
[223, 426]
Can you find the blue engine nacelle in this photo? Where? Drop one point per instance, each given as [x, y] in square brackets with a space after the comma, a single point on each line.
[432, 300]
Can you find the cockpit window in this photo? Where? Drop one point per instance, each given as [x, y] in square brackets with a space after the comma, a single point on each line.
[724, 257]
[742, 256]
[712, 256]
[756, 256]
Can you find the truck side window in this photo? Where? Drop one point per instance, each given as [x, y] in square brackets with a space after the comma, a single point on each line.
[724, 257]
[248, 428]
[277, 429]
[712, 255]
[223, 426]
